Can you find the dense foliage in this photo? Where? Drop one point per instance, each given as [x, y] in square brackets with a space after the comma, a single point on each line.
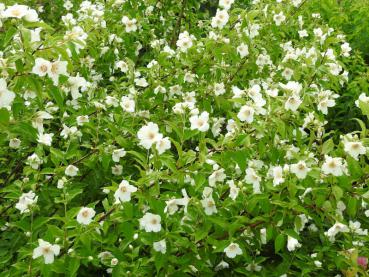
[183, 137]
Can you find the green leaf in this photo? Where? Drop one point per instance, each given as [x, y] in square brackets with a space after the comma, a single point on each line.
[4, 116]
[279, 243]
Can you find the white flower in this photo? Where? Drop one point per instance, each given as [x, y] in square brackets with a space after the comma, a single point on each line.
[292, 87]
[354, 148]
[150, 222]
[335, 229]
[226, 4]
[34, 161]
[6, 96]
[57, 68]
[293, 103]
[162, 145]
[71, 170]
[31, 16]
[200, 122]
[47, 250]
[300, 169]
[122, 65]
[279, 18]
[246, 114]
[148, 135]
[209, 205]
[117, 154]
[253, 179]
[172, 204]
[277, 174]
[217, 176]
[45, 139]
[160, 246]
[131, 24]
[82, 119]
[127, 104]
[85, 215]
[184, 41]
[123, 193]
[292, 244]
[219, 89]
[362, 98]
[326, 103]
[75, 84]
[243, 50]
[333, 166]
[25, 201]
[233, 190]
[232, 250]
[41, 67]
[15, 11]
[263, 235]
[141, 82]
[318, 263]
[346, 49]
[14, 143]
[222, 265]
[220, 19]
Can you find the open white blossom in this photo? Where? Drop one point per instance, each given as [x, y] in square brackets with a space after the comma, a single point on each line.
[200, 122]
[124, 191]
[246, 114]
[47, 250]
[148, 135]
[220, 19]
[150, 222]
[334, 166]
[85, 215]
[300, 169]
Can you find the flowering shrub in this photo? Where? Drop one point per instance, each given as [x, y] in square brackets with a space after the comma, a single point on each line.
[179, 138]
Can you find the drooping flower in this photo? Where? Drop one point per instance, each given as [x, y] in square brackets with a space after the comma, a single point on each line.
[117, 154]
[160, 246]
[233, 250]
[292, 244]
[45, 139]
[209, 205]
[6, 96]
[47, 250]
[71, 170]
[25, 201]
[335, 229]
[243, 50]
